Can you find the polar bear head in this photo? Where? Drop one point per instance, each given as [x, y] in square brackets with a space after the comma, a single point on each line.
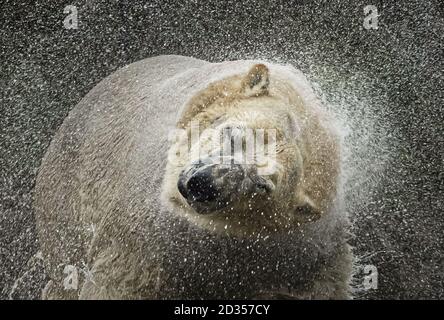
[236, 164]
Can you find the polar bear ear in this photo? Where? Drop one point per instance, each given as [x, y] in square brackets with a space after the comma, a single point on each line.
[257, 80]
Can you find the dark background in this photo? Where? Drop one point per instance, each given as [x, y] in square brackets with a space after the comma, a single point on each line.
[46, 69]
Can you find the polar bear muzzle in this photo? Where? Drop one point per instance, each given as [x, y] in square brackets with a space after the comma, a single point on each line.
[208, 188]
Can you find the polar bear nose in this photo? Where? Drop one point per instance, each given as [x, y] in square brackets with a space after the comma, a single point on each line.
[200, 187]
[211, 187]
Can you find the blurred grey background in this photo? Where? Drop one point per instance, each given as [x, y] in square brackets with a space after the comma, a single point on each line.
[46, 69]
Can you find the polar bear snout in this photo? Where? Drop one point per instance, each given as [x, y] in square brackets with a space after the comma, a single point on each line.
[200, 186]
[208, 188]
[211, 187]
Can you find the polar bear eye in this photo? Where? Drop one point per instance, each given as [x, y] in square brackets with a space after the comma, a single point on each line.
[218, 120]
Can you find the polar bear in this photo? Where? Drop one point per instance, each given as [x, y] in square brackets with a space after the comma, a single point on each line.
[130, 206]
